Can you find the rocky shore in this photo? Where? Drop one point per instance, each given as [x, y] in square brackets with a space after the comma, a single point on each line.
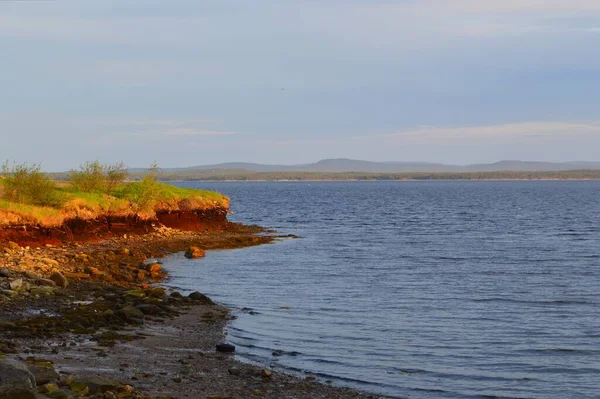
[91, 320]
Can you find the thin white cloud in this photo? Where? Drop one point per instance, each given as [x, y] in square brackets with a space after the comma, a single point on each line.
[194, 132]
[509, 132]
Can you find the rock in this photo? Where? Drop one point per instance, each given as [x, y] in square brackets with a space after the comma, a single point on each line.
[135, 294]
[9, 293]
[47, 388]
[43, 372]
[94, 271]
[124, 251]
[42, 291]
[96, 384]
[225, 348]
[154, 268]
[235, 371]
[7, 325]
[148, 309]
[131, 312]
[197, 296]
[176, 294]
[4, 273]
[45, 282]
[16, 382]
[158, 292]
[14, 246]
[267, 373]
[19, 285]
[194, 252]
[63, 394]
[59, 279]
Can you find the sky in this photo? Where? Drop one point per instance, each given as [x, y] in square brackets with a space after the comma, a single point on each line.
[189, 82]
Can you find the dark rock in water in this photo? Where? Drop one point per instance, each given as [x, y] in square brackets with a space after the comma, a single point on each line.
[43, 371]
[194, 252]
[197, 296]
[16, 382]
[277, 353]
[225, 348]
[149, 309]
[176, 295]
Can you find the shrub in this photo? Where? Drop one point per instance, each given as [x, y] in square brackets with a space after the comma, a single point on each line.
[93, 177]
[28, 185]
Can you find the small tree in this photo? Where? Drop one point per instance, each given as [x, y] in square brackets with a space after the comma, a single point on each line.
[115, 176]
[28, 185]
[93, 177]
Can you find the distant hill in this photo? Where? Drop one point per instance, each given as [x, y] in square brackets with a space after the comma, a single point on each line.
[351, 165]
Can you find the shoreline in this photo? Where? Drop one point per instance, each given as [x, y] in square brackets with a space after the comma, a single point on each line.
[168, 352]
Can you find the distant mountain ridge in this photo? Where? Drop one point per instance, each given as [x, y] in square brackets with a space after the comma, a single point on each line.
[351, 165]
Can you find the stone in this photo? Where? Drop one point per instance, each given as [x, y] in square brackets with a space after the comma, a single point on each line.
[16, 382]
[176, 294]
[197, 296]
[7, 325]
[154, 268]
[42, 291]
[18, 285]
[59, 279]
[194, 252]
[225, 348]
[63, 394]
[4, 273]
[47, 388]
[45, 282]
[148, 309]
[9, 293]
[267, 373]
[97, 384]
[235, 371]
[131, 312]
[43, 372]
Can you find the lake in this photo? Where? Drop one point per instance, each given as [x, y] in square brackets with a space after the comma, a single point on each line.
[416, 289]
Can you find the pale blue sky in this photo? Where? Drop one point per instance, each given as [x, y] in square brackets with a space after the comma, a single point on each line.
[188, 82]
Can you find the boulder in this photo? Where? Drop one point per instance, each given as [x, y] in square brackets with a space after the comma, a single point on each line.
[16, 382]
[131, 312]
[19, 285]
[149, 309]
[45, 282]
[96, 384]
[43, 371]
[197, 296]
[194, 252]
[59, 279]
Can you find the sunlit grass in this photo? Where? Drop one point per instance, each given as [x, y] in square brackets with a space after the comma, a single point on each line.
[121, 202]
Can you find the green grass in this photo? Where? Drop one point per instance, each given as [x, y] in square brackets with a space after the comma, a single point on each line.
[125, 200]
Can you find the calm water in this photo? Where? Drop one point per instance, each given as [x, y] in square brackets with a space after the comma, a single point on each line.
[419, 290]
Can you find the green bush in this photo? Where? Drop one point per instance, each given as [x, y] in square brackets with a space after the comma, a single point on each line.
[28, 185]
[93, 177]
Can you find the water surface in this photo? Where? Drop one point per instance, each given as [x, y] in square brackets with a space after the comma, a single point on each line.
[417, 289]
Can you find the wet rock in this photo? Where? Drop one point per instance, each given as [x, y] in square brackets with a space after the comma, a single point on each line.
[267, 373]
[176, 295]
[197, 296]
[131, 312]
[62, 394]
[43, 371]
[19, 285]
[235, 371]
[47, 388]
[45, 282]
[149, 309]
[154, 268]
[97, 384]
[16, 382]
[59, 279]
[42, 291]
[9, 293]
[225, 348]
[194, 252]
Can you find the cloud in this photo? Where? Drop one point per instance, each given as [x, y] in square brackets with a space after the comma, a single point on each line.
[194, 132]
[509, 132]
